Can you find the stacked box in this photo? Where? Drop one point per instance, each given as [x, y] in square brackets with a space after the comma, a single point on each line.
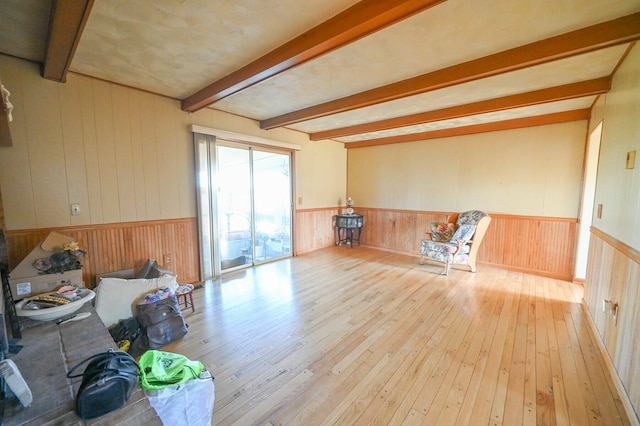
[26, 281]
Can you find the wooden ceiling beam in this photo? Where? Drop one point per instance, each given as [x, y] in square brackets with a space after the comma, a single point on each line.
[66, 23]
[596, 86]
[611, 33]
[516, 123]
[360, 20]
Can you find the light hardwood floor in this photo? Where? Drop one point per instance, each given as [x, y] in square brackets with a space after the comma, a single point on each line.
[362, 336]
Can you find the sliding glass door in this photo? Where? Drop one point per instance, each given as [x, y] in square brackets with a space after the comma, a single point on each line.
[246, 219]
[235, 218]
[271, 204]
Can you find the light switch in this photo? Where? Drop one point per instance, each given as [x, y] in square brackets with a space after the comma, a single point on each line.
[631, 159]
[75, 209]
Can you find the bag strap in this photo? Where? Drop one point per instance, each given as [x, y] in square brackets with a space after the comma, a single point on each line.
[108, 354]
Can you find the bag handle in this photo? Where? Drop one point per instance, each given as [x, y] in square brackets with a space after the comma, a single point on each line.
[117, 354]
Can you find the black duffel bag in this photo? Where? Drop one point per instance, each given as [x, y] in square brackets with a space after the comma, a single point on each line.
[162, 321]
[107, 383]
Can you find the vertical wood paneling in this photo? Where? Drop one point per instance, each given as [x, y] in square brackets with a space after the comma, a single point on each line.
[137, 154]
[76, 171]
[113, 247]
[314, 229]
[613, 273]
[538, 245]
[165, 138]
[49, 174]
[123, 147]
[106, 150]
[90, 143]
[150, 161]
[543, 246]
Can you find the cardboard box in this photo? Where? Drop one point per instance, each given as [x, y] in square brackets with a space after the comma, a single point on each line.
[26, 281]
[30, 286]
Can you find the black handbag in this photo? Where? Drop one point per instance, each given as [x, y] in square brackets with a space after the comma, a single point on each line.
[107, 383]
[162, 321]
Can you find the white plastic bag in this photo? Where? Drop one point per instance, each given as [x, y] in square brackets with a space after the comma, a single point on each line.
[190, 403]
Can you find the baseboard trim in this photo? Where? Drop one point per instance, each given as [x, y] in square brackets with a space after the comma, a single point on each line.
[622, 392]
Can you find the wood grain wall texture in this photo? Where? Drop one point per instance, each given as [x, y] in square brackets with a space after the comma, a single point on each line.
[122, 154]
[314, 229]
[538, 245]
[613, 273]
[113, 247]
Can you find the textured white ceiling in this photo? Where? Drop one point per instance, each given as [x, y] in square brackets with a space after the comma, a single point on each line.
[490, 117]
[176, 47]
[547, 75]
[23, 28]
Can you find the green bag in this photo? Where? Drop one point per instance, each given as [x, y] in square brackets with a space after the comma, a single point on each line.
[160, 369]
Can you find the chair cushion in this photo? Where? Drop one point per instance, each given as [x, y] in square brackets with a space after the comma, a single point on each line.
[116, 297]
[443, 252]
[433, 247]
[472, 217]
[442, 231]
[464, 232]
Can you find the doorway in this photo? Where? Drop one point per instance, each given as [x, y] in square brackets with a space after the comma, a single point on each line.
[586, 206]
[245, 204]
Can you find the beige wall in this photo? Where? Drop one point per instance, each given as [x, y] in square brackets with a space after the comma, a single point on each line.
[122, 154]
[613, 269]
[618, 188]
[532, 171]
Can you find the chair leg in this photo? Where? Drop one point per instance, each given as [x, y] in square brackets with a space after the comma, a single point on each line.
[446, 269]
[422, 259]
[472, 266]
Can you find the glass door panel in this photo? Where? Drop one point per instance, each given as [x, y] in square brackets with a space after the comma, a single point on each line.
[272, 204]
[234, 206]
[244, 203]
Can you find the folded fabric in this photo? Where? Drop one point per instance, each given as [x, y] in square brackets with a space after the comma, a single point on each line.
[159, 294]
[159, 369]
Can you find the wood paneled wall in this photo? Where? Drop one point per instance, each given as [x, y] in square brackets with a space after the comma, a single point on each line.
[613, 273]
[538, 245]
[117, 246]
[314, 229]
[543, 246]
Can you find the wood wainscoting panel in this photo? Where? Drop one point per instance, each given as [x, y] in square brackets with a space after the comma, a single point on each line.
[613, 273]
[539, 245]
[117, 246]
[397, 230]
[314, 229]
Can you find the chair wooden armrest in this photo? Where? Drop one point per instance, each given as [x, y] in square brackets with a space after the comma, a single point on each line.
[462, 243]
[461, 256]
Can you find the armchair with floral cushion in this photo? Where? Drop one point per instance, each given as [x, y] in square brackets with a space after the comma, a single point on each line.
[457, 241]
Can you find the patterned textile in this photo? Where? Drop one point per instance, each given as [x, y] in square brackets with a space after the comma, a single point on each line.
[442, 231]
[444, 251]
[464, 232]
[470, 218]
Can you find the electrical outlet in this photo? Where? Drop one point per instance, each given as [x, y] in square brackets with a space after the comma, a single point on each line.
[610, 308]
[75, 209]
[167, 259]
